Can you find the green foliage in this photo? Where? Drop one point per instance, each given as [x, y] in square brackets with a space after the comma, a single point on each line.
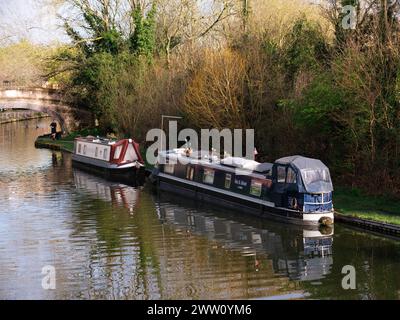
[103, 36]
[110, 42]
[306, 47]
[123, 94]
[142, 41]
[105, 54]
[89, 78]
[321, 100]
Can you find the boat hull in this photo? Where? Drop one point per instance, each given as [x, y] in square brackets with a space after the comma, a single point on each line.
[235, 202]
[130, 175]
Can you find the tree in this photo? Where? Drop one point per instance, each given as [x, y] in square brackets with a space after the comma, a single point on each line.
[142, 41]
[185, 22]
[214, 98]
[23, 64]
[96, 28]
[306, 48]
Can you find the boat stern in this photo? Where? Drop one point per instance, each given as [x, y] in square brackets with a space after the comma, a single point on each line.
[318, 208]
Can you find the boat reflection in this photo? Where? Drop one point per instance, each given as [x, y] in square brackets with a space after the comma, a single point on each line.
[295, 251]
[117, 194]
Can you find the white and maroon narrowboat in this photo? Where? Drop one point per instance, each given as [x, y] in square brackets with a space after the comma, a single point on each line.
[293, 189]
[114, 159]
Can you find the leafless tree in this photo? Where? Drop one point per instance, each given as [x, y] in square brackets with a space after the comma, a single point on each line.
[185, 22]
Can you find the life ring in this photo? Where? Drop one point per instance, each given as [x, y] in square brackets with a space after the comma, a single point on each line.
[294, 203]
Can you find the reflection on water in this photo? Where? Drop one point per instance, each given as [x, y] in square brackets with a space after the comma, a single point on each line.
[116, 193]
[111, 241]
[15, 158]
[301, 254]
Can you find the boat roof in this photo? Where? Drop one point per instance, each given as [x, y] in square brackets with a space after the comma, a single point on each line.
[100, 140]
[228, 164]
[315, 175]
[302, 163]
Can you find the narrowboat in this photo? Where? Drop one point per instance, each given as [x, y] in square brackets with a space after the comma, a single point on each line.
[294, 189]
[117, 160]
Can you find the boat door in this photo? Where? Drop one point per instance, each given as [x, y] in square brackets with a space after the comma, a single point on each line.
[284, 184]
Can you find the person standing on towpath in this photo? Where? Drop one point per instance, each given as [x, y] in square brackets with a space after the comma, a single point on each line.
[53, 127]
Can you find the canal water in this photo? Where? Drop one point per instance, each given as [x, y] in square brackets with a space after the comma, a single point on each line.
[111, 241]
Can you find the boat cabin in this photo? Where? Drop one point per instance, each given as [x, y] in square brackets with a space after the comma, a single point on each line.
[303, 183]
[114, 152]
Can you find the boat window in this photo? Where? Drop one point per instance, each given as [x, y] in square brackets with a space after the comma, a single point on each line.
[281, 174]
[311, 176]
[97, 152]
[105, 154]
[117, 152]
[84, 149]
[169, 168]
[228, 181]
[256, 188]
[79, 148]
[208, 176]
[190, 173]
[130, 154]
[291, 176]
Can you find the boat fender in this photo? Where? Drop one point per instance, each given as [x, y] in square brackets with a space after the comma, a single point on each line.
[326, 221]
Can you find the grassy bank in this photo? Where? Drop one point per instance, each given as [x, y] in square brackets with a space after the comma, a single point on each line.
[64, 145]
[354, 203]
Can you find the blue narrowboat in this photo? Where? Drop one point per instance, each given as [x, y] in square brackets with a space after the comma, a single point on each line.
[295, 189]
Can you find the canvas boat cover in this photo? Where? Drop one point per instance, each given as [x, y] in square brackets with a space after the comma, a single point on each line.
[315, 175]
[247, 164]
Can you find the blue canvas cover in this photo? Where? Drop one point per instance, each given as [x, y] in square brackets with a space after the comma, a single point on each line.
[315, 175]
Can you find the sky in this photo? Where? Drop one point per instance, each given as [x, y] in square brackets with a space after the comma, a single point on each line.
[30, 19]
